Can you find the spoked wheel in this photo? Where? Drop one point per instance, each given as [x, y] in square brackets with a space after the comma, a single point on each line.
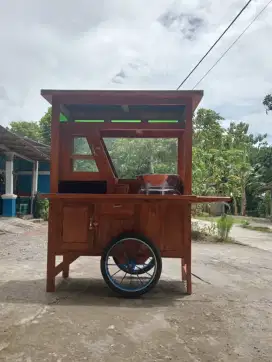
[138, 269]
[131, 265]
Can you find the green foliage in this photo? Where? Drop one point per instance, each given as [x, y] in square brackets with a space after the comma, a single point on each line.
[27, 129]
[245, 223]
[37, 131]
[207, 233]
[267, 102]
[224, 225]
[45, 126]
[132, 157]
[264, 205]
[41, 208]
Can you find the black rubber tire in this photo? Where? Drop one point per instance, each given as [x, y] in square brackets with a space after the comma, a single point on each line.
[153, 247]
[143, 270]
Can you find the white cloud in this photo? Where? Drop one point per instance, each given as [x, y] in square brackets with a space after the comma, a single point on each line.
[119, 44]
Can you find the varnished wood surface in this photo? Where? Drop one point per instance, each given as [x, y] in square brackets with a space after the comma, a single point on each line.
[139, 197]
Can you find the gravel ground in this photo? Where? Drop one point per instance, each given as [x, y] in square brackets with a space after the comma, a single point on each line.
[228, 317]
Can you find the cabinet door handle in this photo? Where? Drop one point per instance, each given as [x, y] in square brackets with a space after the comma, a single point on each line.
[95, 224]
[117, 205]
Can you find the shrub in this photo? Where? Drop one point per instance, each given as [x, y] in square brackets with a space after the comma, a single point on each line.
[224, 225]
[245, 223]
[41, 208]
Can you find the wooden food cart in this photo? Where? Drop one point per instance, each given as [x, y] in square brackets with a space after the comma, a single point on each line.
[131, 223]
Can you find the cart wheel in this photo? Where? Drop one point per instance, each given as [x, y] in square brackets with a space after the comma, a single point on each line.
[138, 269]
[131, 250]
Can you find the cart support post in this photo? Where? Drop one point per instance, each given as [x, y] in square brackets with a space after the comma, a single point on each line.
[66, 265]
[183, 269]
[54, 174]
[188, 152]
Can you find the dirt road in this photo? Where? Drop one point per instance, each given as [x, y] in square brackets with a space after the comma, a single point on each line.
[228, 317]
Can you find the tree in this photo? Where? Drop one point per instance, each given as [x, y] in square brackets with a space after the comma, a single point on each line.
[245, 175]
[26, 129]
[132, 157]
[45, 126]
[208, 163]
[267, 102]
[38, 131]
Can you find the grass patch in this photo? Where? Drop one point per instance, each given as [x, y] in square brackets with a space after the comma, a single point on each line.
[263, 229]
[203, 237]
[211, 233]
[236, 219]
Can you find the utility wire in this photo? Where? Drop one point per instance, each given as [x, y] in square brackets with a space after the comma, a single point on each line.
[235, 41]
[221, 36]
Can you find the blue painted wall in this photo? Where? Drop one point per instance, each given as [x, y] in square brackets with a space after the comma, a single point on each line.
[23, 165]
[44, 184]
[24, 182]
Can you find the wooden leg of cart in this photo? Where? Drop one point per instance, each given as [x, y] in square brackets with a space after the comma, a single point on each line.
[183, 269]
[188, 271]
[189, 252]
[51, 260]
[50, 277]
[66, 264]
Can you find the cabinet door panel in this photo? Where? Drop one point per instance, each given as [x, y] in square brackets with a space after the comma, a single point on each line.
[78, 232]
[110, 227]
[172, 227]
[150, 222]
[75, 224]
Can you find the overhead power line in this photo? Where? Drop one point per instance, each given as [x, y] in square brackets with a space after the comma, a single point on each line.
[235, 41]
[220, 37]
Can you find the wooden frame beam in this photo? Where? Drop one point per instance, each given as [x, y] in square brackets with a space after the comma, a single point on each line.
[64, 110]
[141, 133]
[121, 115]
[85, 128]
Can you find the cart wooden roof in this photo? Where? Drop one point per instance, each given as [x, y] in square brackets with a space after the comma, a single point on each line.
[123, 105]
[123, 97]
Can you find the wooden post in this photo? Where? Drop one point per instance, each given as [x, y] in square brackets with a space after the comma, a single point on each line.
[54, 164]
[66, 264]
[181, 159]
[181, 170]
[188, 143]
[54, 176]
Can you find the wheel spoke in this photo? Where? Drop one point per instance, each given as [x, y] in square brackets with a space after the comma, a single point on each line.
[137, 261]
[116, 272]
[139, 279]
[123, 278]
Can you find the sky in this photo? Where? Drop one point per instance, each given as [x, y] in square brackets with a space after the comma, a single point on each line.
[136, 44]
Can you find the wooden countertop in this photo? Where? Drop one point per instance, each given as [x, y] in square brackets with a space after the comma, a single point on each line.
[135, 198]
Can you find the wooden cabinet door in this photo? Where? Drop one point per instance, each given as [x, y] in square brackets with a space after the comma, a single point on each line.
[162, 223]
[172, 219]
[77, 227]
[112, 219]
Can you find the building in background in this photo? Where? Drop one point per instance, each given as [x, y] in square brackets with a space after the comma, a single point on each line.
[24, 171]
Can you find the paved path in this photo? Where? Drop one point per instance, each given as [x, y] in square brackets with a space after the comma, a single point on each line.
[226, 319]
[255, 239]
